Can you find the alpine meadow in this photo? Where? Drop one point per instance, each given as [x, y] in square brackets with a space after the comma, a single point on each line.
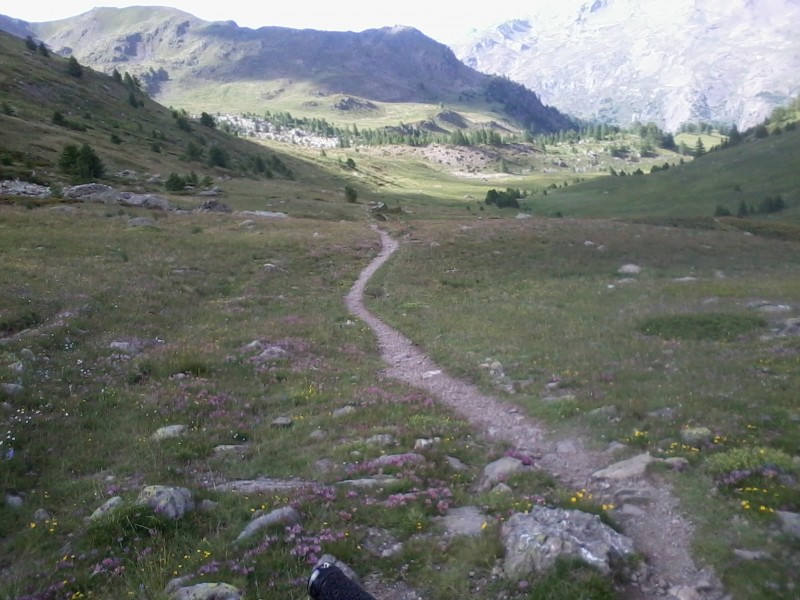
[276, 299]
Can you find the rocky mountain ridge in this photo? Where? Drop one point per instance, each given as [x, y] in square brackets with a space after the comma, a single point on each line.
[172, 51]
[624, 60]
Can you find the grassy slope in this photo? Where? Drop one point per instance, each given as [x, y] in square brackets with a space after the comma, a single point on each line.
[760, 169]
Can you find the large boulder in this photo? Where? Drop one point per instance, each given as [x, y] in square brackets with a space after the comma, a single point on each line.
[281, 516]
[170, 502]
[208, 591]
[534, 541]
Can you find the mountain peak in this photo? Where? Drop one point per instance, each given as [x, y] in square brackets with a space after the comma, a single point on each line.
[623, 60]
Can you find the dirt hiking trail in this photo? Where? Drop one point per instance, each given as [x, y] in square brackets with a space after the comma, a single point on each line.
[660, 531]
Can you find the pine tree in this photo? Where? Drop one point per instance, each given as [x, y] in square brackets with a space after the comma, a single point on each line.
[699, 148]
[73, 67]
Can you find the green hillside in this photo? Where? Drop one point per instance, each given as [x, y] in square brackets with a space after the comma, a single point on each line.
[749, 173]
[140, 143]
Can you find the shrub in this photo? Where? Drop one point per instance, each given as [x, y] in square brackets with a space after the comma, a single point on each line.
[82, 163]
[507, 199]
[207, 120]
[350, 193]
[217, 157]
[115, 139]
[721, 211]
[175, 183]
[74, 68]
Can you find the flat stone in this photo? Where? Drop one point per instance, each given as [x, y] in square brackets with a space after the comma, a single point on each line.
[696, 436]
[14, 501]
[633, 496]
[260, 486]
[282, 422]
[455, 464]
[208, 591]
[171, 502]
[567, 447]
[229, 448]
[281, 516]
[604, 411]
[388, 460]
[500, 470]
[344, 411]
[106, 508]
[11, 390]
[626, 469]
[464, 520]
[629, 269]
[751, 554]
[168, 432]
[381, 439]
[790, 522]
[369, 482]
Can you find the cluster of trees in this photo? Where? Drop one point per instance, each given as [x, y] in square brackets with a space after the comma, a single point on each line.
[41, 48]
[81, 163]
[504, 199]
[770, 204]
[178, 183]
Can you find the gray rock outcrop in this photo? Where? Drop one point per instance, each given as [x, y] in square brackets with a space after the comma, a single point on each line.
[534, 541]
[170, 502]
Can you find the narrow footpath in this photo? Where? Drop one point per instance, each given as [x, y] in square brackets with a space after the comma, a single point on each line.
[660, 531]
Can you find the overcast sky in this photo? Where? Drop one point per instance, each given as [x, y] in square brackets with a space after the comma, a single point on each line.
[444, 21]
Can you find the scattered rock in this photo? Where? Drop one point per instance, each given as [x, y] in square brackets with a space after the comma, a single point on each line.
[381, 543]
[534, 541]
[425, 443]
[688, 279]
[668, 412]
[213, 205]
[317, 435]
[170, 502]
[615, 447]
[27, 354]
[266, 213]
[141, 222]
[790, 328]
[282, 422]
[106, 508]
[790, 522]
[369, 482]
[608, 412]
[696, 436]
[678, 463]
[455, 464]
[281, 516]
[262, 485]
[629, 269]
[769, 307]
[349, 409]
[41, 515]
[521, 216]
[633, 496]
[500, 470]
[11, 390]
[223, 449]
[23, 188]
[394, 459]
[324, 465]
[208, 591]
[207, 506]
[381, 439]
[464, 520]
[751, 554]
[500, 489]
[271, 353]
[168, 432]
[626, 469]
[14, 501]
